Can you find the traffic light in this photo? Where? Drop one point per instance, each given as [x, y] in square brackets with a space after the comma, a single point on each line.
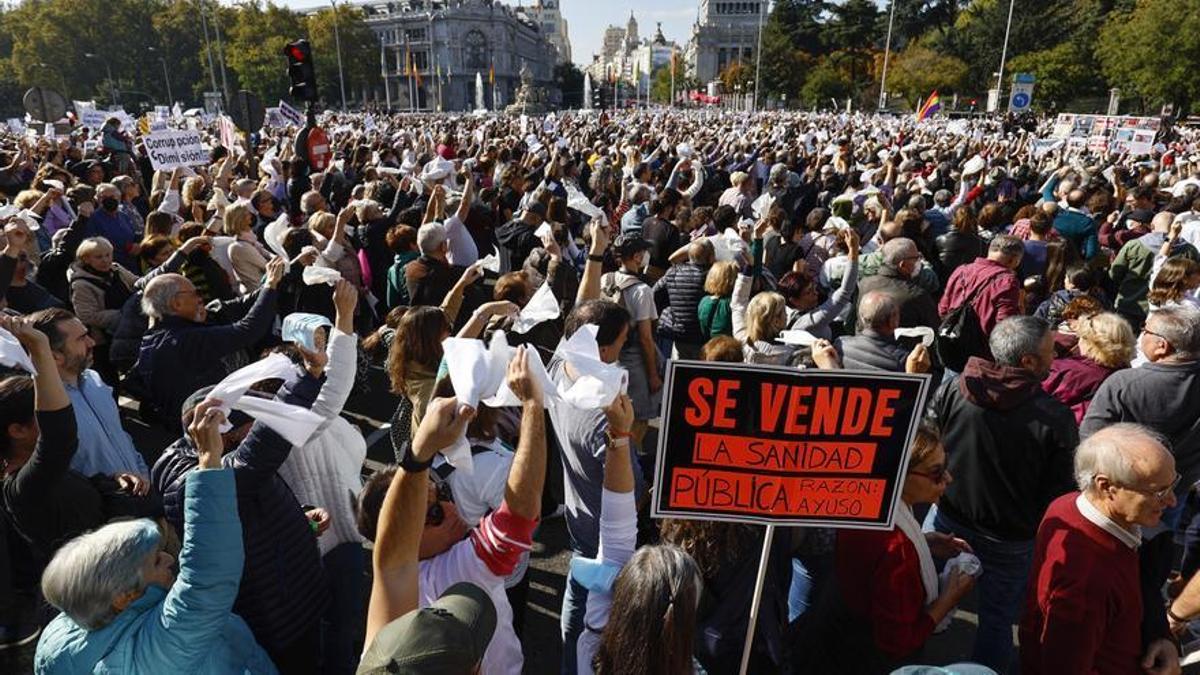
[300, 70]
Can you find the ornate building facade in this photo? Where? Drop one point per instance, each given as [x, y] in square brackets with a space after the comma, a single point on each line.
[625, 55]
[449, 42]
[725, 31]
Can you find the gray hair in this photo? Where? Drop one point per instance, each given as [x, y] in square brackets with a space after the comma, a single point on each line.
[157, 295]
[1179, 325]
[701, 252]
[1104, 453]
[93, 569]
[308, 202]
[107, 187]
[896, 250]
[876, 308]
[430, 237]
[917, 202]
[1015, 337]
[1007, 246]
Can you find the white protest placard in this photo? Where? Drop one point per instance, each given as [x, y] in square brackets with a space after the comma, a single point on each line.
[171, 149]
[290, 114]
[273, 118]
[162, 112]
[92, 118]
[16, 125]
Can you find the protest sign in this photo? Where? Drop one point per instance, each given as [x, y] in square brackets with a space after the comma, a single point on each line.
[776, 445]
[290, 114]
[171, 149]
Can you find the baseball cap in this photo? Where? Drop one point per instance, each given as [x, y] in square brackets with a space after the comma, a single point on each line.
[628, 244]
[448, 637]
[1141, 215]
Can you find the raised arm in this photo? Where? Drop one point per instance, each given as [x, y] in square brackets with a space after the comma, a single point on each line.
[589, 285]
[394, 561]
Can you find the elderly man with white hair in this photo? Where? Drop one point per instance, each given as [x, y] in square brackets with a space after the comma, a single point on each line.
[898, 277]
[123, 607]
[1085, 606]
[180, 353]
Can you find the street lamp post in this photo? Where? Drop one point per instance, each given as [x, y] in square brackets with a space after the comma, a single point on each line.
[758, 53]
[1004, 53]
[112, 88]
[337, 39]
[887, 52]
[166, 75]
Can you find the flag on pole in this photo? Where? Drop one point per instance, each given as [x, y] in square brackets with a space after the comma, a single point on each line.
[408, 65]
[382, 60]
[931, 105]
[492, 74]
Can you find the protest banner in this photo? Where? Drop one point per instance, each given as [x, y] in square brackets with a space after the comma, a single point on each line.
[171, 149]
[780, 446]
[760, 444]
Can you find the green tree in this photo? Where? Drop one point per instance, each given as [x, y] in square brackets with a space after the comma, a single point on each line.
[569, 78]
[255, 35]
[360, 53]
[182, 47]
[1061, 73]
[825, 84]
[790, 39]
[918, 70]
[851, 34]
[1151, 51]
[660, 82]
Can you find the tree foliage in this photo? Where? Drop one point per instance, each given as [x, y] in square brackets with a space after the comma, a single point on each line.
[1151, 50]
[918, 70]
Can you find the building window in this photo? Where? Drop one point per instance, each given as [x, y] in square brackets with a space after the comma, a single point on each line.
[415, 35]
[421, 60]
[475, 48]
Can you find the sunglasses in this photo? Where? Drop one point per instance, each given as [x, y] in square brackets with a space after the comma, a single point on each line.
[435, 515]
[937, 475]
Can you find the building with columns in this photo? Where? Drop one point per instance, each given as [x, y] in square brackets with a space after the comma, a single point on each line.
[725, 31]
[547, 15]
[449, 42]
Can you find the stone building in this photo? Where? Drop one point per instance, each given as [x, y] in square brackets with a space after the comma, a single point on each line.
[546, 14]
[725, 31]
[449, 42]
[625, 54]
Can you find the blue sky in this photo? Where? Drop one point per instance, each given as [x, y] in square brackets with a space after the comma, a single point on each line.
[587, 19]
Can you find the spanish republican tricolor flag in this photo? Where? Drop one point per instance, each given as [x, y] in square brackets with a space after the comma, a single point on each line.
[932, 105]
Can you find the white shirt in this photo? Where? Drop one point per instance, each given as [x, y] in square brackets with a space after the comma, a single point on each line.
[1132, 539]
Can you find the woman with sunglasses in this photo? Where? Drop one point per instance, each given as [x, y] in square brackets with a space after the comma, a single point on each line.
[886, 600]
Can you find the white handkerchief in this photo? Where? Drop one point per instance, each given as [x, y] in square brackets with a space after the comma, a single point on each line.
[13, 355]
[477, 372]
[543, 306]
[314, 275]
[596, 383]
[800, 338]
[490, 262]
[274, 234]
[543, 230]
[923, 332]
[294, 423]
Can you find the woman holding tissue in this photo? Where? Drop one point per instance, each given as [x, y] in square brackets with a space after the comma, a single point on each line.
[886, 599]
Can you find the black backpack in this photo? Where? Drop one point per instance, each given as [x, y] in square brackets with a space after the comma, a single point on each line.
[959, 336]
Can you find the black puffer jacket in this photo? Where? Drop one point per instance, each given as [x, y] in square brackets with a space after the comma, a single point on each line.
[680, 290]
[1010, 447]
[283, 592]
[955, 249]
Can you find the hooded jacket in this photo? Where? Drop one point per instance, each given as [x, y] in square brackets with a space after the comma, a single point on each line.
[1009, 445]
[1130, 272]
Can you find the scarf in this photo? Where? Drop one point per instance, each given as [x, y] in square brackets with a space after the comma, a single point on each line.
[907, 522]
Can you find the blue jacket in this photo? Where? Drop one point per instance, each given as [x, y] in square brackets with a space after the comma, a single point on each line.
[186, 629]
[1074, 226]
[178, 356]
[104, 447]
[283, 590]
[119, 230]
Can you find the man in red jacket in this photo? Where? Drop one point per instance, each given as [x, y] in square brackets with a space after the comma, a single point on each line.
[1084, 608]
[990, 283]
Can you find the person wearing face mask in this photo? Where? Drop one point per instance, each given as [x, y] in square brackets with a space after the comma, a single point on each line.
[109, 222]
[1012, 456]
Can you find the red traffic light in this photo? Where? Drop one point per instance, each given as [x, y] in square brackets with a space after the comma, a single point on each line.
[295, 52]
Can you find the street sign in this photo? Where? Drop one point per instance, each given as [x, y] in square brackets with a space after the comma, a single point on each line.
[247, 111]
[318, 148]
[44, 105]
[1021, 96]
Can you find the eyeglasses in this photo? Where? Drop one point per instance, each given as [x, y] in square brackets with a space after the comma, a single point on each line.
[1160, 494]
[938, 475]
[1147, 331]
[435, 515]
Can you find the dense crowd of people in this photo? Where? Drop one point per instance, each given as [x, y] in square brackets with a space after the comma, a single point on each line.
[521, 283]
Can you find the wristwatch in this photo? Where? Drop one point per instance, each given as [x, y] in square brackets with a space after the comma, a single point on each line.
[409, 462]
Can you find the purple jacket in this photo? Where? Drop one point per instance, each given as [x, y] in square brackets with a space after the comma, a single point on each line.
[1073, 381]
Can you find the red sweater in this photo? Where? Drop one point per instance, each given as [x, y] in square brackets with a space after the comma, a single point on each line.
[999, 294]
[879, 576]
[1083, 610]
